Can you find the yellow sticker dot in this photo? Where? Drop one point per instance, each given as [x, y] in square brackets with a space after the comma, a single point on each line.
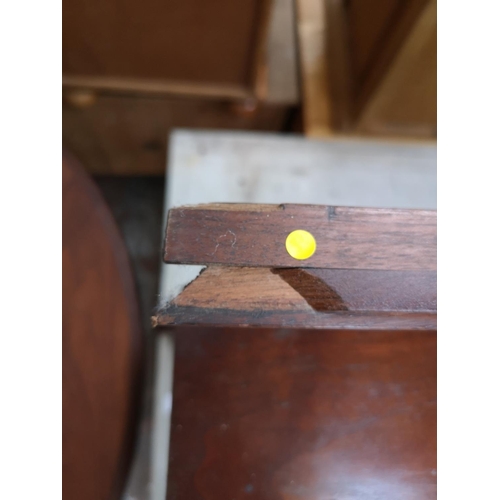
[300, 244]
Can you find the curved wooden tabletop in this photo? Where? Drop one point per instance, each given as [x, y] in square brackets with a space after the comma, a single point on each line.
[102, 344]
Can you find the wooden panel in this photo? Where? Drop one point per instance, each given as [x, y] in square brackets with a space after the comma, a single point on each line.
[299, 415]
[368, 67]
[187, 40]
[338, 66]
[399, 24]
[346, 238]
[281, 57]
[298, 298]
[128, 135]
[359, 290]
[368, 23]
[102, 344]
[274, 76]
[318, 115]
[405, 101]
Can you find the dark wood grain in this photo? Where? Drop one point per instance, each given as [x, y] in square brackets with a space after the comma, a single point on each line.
[305, 298]
[186, 316]
[347, 238]
[102, 344]
[359, 290]
[300, 415]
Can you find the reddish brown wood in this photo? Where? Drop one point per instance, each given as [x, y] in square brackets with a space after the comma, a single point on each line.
[372, 269]
[280, 414]
[347, 238]
[358, 290]
[102, 344]
[300, 298]
[186, 316]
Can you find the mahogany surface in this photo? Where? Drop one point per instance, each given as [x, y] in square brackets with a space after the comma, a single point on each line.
[303, 415]
[346, 237]
[102, 344]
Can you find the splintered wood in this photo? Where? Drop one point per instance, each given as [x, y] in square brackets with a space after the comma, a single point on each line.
[372, 268]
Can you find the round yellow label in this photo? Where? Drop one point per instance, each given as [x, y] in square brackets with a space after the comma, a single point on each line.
[300, 244]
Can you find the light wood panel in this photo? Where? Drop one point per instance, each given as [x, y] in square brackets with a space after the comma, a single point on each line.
[317, 101]
[142, 87]
[368, 67]
[281, 60]
[405, 102]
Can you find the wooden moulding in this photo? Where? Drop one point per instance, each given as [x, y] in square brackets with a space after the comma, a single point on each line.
[347, 238]
[143, 86]
[372, 269]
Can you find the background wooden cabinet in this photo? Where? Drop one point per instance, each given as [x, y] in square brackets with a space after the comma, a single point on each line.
[127, 135]
[202, 42]
[133, 70]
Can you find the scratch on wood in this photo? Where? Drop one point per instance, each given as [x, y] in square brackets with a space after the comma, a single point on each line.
[224, 236]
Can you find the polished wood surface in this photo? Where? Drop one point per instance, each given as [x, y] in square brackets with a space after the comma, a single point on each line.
[361, 290]
[346, 238]
[270, 414]
[102, 344]
[305, 298]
